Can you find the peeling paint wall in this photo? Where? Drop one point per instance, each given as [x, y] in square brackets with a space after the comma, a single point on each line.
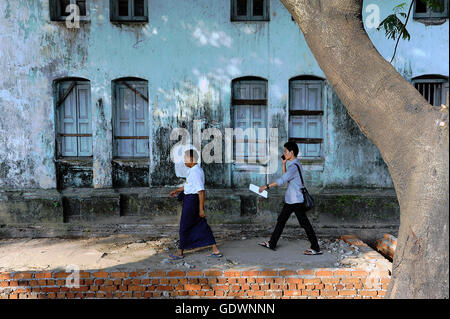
[189, 54]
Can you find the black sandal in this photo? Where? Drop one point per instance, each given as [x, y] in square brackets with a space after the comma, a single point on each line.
[266, 245]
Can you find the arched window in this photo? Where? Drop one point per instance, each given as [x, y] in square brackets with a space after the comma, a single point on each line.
[73, 117]
[249, 104]
[306, 115]
[130, 118]
[434, 88]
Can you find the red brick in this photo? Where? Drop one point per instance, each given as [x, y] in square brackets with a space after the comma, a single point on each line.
[220, 287]
[118, 274]
[136, 288]
[381, 293]
[329, 293]
[5, 276]
[305, 272]
[342, 273]
[157, 274]
[211, 273]
[324, 273]
[312, 281]
[4, 283]
[61, 274]
[176, 273]
[310, 293]
[368, 293]
[288, 273]
[294, 280]
[23, 275]
[292, 293]
[330, 280]
[100, 274]
[250, 273]
[360, 273]
[50, 289]
[268, 273]
[164, 288]
[232, 273]
[350, 280]
[347, 292]
[137, 273]
[192, 287]
[194, 273]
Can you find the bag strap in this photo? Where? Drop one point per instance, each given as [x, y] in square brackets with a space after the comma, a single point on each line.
[301, 177]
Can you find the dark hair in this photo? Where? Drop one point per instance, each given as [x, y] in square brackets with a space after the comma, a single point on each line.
[192, 154]
[292, 146]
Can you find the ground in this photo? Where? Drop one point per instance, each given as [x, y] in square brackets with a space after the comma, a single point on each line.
[128, 252]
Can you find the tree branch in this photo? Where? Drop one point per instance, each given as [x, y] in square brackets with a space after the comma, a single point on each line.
[404, 26]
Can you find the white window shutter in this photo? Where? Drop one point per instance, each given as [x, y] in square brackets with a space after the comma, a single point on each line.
[314, 97]
[125, 110]
[68, 120]
[141, 122]
[84, 119]
[298, 96]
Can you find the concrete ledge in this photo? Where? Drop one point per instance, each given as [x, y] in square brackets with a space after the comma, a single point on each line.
[29, 206]
[367, 213]
[90, 204]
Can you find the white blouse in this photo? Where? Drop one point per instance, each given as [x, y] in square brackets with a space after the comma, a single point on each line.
[195, 180]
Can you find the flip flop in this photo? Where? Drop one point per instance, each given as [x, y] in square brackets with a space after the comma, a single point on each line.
[175, 257]
[312, 252]
[266, 245]
[215, 255]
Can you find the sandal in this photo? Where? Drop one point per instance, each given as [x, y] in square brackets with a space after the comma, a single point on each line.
[175, 257]
[215, 255]
[311, 251]
[266, 245]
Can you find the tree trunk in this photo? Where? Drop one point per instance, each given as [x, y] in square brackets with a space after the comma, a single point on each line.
[411, 135]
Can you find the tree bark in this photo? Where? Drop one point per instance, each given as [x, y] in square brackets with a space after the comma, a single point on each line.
[411, 135]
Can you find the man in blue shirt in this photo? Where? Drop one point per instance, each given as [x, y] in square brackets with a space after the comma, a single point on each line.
[294, 201]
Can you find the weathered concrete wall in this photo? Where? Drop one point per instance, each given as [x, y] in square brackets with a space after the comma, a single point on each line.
[189, 54]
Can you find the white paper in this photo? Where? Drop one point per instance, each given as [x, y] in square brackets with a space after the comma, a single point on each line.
[255, 189]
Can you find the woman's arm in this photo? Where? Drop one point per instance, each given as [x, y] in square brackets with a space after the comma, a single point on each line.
[201, 197]
[274, 184]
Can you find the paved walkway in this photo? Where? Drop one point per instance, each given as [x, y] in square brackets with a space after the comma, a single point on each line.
[125, 252]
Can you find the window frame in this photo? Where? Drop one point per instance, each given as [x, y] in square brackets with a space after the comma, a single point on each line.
[56, 11]
[304, 140]
[430, 14]
[117, 84]
[249, 102]
[58, 118]
[115, 17]
[430, 79]
[234, 17]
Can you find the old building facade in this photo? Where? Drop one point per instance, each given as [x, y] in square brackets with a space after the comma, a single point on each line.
[94, 105]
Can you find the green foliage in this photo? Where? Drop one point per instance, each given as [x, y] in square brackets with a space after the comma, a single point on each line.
[393, 26]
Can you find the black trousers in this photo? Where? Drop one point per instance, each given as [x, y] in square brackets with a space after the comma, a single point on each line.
[300, 212]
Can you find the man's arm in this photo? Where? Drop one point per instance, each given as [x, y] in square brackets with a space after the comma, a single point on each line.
[201, 197]
[178, 190]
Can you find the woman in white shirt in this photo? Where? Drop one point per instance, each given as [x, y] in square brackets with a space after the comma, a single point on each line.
[194, 229]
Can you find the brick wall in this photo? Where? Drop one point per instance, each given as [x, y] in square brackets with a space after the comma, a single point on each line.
[304, 283]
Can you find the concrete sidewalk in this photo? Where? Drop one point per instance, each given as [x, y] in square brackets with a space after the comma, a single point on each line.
[128, 252]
